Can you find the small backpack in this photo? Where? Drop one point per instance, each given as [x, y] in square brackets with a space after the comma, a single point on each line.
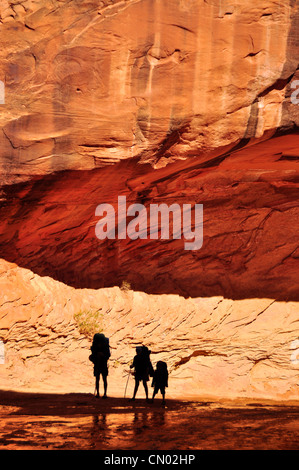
[163, 371]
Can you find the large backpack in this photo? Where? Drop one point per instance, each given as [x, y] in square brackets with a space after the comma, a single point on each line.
[100, 345]
[145, 353]
[144, 350]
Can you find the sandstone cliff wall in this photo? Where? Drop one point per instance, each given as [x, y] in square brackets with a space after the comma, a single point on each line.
[91, 83]
[185, 101]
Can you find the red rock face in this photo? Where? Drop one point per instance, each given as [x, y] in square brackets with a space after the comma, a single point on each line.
[183, 101]
[250, 226]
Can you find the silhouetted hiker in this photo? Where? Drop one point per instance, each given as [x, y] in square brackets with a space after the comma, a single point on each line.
[143, 369]
[160, 379]
[100, 353]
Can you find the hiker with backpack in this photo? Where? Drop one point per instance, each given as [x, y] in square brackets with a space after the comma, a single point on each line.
[100, 353]
[143, 369]
[160, 380]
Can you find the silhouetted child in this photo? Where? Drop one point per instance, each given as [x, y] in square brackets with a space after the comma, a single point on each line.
[143, 369]
[160, 379]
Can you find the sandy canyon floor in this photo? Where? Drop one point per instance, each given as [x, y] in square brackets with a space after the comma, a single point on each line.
[43, 421]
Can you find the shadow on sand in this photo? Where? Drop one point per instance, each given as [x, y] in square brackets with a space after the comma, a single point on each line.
[78, 421]
[68, 404]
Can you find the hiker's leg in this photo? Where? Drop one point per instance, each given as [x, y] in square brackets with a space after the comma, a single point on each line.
[154, 393]
[163, 395]
[136, 388]
[98, 385]
[145, 388]
[105, 385]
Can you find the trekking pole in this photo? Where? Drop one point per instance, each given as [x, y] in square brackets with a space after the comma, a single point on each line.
[127, 383]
